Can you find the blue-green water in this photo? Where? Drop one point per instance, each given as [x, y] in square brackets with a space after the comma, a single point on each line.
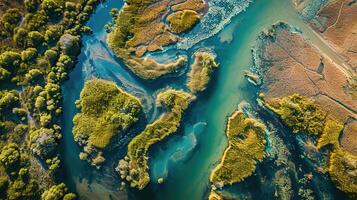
[186, 159]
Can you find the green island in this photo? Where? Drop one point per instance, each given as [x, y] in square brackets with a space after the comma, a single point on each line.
[140, 27]
[39, 44]
[105, 112]
[201, 71]
[302, 115]
[246, 145]
[134, 167]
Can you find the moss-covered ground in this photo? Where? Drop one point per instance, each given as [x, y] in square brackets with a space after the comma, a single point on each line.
[183, 21]
[303, 115]
[105, 112]
[135, 168]
[246, 145]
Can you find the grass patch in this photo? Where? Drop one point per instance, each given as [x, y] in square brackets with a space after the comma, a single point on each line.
[135, 168]
[201, 70]
[183, 21]
[246, 139]
[105, 111]
[303, 115]
[140, 27]
[300, 113]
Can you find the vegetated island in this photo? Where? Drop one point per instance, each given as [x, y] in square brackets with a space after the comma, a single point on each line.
[323, 105]
[201, 71]
[134, 167]
[39, 43]
[106, 111]
[246, 145]
[302, 115]
[142, 26]
[287, 63]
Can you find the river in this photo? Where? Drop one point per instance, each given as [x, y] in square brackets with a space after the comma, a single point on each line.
[185, 159]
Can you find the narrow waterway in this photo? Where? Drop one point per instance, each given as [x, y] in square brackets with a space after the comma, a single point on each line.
[186, 159]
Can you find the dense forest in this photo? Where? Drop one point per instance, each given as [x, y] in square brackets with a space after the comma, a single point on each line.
[39, 42]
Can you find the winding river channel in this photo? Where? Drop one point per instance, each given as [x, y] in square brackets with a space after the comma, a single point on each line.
[185, 159]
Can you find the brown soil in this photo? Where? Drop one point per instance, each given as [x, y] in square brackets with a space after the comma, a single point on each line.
[337, 23]
[295, 66]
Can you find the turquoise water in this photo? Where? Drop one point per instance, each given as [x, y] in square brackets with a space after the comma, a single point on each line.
[186, 159]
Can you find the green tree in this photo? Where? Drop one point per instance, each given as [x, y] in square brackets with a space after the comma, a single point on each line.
[29, 54]
[35, 39]
[33, 76]
[53, 8]
[10, 156]
[23, 188]
[4, 74]
[31, 5]
[20, 37]
[56, 192]
[10, 60]
[51, 56]
[53, 33]
[8, 99]
[114, 13]
[11, 19]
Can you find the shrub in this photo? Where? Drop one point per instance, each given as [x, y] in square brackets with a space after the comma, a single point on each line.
[29, 54]
[10, 60]
[10, 19]
[10, 156]
[56, 192]
[31, 5]
[53, 8]
[53, 33]
[20, 37]
[35, 39]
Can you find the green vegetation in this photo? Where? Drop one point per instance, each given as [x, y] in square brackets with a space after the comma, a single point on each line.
[105, 111]
[312, 119]
[134, 168]
[183, 21]
[39, 42]
[330, 134]
[201, 70]
[140, 27]
[58, 192]
[246, 139]
[299, 113]
[342, 169]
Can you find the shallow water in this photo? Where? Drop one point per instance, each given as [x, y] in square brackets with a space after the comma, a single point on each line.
[186, 159]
